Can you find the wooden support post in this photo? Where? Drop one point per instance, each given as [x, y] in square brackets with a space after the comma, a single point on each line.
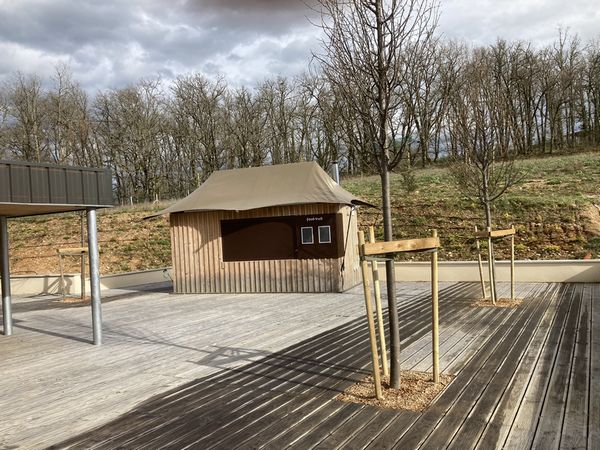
[512, 266]
[371, 322]
[377, 289]
[434, 314]
[491, 267]
[483, 293]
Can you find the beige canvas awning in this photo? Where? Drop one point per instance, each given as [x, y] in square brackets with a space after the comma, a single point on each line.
[261, 187]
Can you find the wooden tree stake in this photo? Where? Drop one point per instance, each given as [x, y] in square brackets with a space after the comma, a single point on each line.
[434, 314]
[377, 289]
[368, 305]
[512, 265]
[491, 268]
[483, 293]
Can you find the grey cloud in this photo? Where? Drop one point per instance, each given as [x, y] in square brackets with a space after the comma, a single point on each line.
[64, 26]
[536, 21]
[111, 43]
[252, 5]
[265, 16]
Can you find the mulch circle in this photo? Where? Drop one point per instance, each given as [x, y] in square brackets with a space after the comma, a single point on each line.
[500, 303]
[417, 391]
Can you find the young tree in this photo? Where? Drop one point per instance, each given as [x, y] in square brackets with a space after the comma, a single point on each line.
[368, 48]
[484, 167]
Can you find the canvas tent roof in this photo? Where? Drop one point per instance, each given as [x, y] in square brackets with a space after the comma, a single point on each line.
[261, 187]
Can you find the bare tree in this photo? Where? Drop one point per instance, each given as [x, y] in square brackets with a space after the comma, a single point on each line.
[485, 167]
[591, 86]
[246, 120]
[368, 48]
[27, 107]
[67, 127]
[278, 98]
[129, 126]
[486, 163]
[198, 103]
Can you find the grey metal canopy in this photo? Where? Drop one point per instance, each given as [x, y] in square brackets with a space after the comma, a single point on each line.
[261, 187]
[28, 189]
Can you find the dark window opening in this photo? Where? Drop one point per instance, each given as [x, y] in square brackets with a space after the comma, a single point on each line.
[307, 235]
[285, 237]
[258, 239]
[325, 234]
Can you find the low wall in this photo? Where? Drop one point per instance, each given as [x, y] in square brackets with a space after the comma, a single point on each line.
[580, 271]
[50, 284]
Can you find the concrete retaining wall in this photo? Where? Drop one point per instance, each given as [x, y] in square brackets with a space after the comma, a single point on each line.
[50, 284]
[580, 271]
[585, 271]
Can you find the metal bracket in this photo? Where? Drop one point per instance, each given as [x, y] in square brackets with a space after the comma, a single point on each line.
[372, 258]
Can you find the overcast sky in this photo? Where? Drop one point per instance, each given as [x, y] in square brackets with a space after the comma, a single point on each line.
[111, 43]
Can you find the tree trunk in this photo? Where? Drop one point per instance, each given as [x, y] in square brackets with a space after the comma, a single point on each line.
[488, 222]
[391, 284]
[382, 97]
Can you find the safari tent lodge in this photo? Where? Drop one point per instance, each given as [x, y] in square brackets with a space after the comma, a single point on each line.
[281, 228]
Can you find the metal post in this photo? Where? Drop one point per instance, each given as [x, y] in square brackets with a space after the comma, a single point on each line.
[435, 339]
[82, 258]
[5, 272]
[335, 169]
[94, 276]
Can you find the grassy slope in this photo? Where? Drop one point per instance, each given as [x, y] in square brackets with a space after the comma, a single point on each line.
[549, 209]
[552, 210]
[127, 241]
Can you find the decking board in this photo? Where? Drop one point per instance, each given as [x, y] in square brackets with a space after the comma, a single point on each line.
[500, 373]
[498, 426]
[518, 372]
[593, 424]
[548, 432]
[574, 428]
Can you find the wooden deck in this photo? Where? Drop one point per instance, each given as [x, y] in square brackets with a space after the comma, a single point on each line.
[526, 377]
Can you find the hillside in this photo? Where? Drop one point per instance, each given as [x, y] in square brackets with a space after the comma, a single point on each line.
[553, 210]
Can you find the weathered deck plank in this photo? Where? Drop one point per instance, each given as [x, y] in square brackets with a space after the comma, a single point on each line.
[516, 370]
[549, 427]
[502, 417]
[426, 423]
[594, 405]
[522, 431]
[499, 372]
[574, 430]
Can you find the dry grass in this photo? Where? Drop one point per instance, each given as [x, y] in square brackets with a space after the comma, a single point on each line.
[500, 303]
[417, 391]
[127, 242]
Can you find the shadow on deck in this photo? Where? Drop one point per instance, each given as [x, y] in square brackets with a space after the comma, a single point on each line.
[527, 377]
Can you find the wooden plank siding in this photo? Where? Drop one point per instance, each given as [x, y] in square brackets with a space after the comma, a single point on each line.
[199, 267]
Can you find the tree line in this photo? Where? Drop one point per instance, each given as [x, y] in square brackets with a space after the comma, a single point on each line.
[164, 139]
